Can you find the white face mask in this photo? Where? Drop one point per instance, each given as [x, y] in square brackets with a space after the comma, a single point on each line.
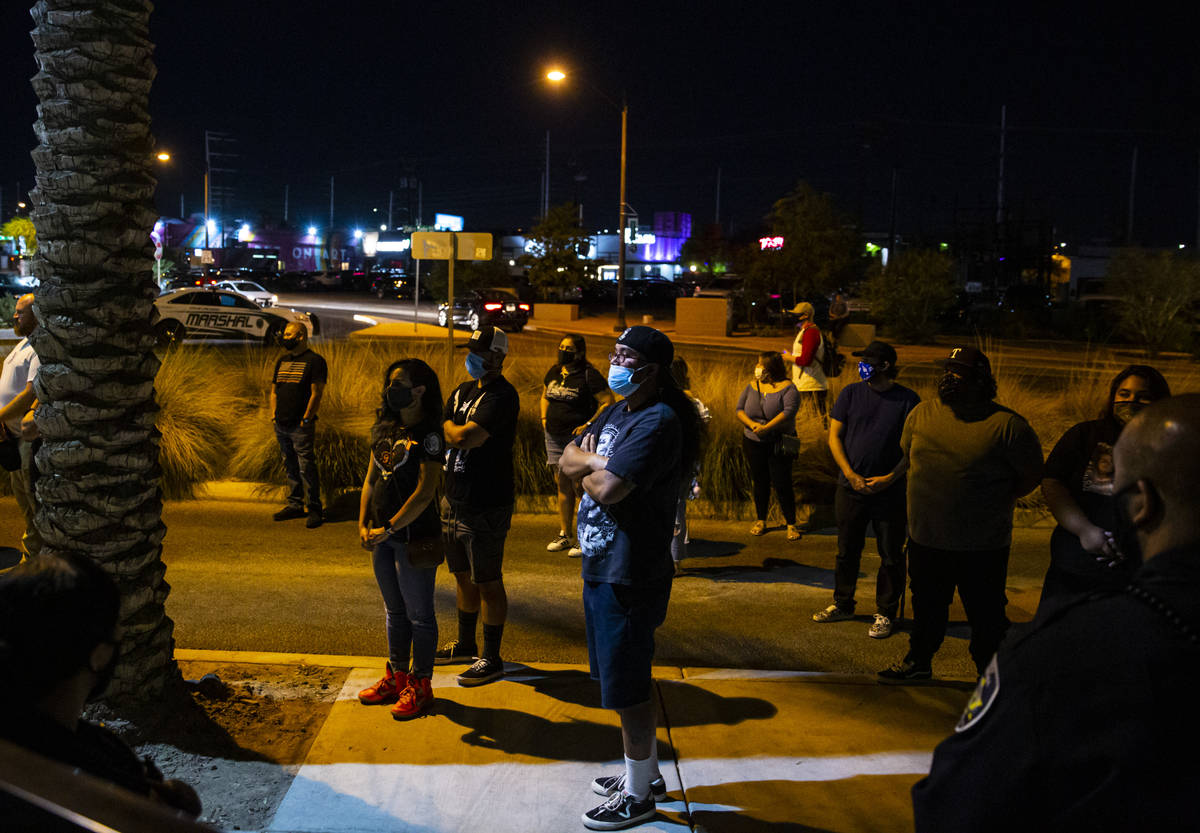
[758, 374]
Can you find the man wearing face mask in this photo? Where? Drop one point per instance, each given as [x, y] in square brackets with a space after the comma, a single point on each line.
[480, 428]
[16, 399]
[1081, 721]
[969, 460]
[630, 464]
[297, 386]
[864, 437]
[58, 649]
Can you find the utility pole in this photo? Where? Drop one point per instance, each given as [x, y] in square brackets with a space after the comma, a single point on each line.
[717, 211]
[285, 202]
[1132, 187]
[391, 200]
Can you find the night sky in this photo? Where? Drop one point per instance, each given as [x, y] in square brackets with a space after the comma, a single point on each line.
[377, 94]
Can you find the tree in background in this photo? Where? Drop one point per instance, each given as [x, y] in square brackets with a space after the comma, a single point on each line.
[909, 293]
[99, 489]
[819, 248]
[557, 260]
[708, 252]
[19, 227]
[1159, 292]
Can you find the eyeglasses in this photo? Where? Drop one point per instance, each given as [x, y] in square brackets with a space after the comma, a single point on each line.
[623, 359]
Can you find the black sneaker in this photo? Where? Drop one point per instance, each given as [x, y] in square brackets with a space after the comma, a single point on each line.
[455, 653]
[620, 811]
[289, 512]
[315, 519]
[609, 784]
[906, 671]
[483, 671]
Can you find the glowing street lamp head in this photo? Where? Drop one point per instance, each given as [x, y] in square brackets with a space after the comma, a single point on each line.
[556, 75]
[312, 230]
[162, 156]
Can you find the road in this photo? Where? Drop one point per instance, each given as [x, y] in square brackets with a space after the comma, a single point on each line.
[244, 582]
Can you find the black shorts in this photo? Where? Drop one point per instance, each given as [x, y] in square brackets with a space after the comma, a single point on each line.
[621, 620]
[475, 540]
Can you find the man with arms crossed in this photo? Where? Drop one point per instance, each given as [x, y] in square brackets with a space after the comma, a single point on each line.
[630, 464]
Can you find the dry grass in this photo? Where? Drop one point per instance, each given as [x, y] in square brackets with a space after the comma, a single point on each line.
[215, 421]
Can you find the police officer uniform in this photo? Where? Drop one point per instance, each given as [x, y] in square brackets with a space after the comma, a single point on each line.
[1083, 720]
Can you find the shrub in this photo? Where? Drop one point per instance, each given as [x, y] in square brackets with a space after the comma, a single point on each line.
[911, 292]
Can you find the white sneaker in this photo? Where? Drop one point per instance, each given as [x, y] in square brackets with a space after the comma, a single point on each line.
[560, 543]
[881, 628]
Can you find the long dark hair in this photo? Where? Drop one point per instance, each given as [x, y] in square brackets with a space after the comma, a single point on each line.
[418, 373]
[772, 363]
[580, 345]
[1157, 385]
[689, 419]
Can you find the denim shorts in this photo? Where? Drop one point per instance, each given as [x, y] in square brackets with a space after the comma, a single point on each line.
[555, 443]
[621, 620]
[475, 540]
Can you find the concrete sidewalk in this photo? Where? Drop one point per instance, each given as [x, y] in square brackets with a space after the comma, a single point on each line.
[740, 751]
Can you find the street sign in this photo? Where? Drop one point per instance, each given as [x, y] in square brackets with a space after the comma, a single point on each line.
[432, 245]
[438, 245]
[474, 245]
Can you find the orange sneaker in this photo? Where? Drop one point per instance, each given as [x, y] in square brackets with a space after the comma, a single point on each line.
[414, 700]
[387, 690]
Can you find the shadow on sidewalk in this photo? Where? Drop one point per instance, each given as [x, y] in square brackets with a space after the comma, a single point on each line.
[773, 570]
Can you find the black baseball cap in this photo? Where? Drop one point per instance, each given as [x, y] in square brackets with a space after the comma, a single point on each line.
[487, 338]
[877, 352]
[652, 345]
[970, 359]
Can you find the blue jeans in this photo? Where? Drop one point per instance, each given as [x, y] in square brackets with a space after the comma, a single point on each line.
[300, 464]
[408, 599]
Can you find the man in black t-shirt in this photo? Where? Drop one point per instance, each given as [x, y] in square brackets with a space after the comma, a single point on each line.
[296, 389]
[864, 436]
[480, 430]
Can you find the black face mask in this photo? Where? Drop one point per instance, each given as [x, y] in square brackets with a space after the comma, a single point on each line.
[952, 389]
[398, 397]
[1125, 537]
[104, 675]
[566, 357]
[289, 343]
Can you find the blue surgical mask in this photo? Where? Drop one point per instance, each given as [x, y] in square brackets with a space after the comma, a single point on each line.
[475, 366]
[620, 379]
[866, 371]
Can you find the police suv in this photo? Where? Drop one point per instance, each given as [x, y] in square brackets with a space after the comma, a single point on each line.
[209, 313]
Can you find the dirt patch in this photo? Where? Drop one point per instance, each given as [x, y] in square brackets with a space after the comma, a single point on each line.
[237, 733]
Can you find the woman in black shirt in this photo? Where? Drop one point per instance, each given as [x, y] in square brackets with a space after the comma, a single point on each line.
[398, 521]
[574, 395]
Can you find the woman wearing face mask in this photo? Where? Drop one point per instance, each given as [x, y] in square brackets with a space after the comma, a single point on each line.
[1085, 551]
[398, 506]
[767, 408]
[573, 395]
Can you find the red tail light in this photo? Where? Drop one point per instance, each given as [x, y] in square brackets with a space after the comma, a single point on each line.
[524, 307]
[492, 306]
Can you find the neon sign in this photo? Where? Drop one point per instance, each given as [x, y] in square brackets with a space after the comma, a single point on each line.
[765, 243]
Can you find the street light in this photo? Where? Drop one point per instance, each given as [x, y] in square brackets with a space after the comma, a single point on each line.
[165, 157]
[557, 76]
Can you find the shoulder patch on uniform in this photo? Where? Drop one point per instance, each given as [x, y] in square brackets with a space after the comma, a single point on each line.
[982, 698]
[433, 444]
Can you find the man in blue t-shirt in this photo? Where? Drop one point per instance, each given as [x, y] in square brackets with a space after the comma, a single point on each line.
[864, 436]
[629, 464]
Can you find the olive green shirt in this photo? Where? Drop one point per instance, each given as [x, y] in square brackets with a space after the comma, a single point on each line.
[965, 474]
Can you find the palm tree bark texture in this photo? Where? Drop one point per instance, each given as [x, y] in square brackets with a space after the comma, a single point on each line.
[98, 488]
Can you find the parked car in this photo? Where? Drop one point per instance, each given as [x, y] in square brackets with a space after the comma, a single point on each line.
[213, 313]
[499, 307]
[392, 283]
[251, 290]
[15, 284]
[321, 280]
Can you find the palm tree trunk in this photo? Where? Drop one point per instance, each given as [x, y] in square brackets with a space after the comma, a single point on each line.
[99, 491]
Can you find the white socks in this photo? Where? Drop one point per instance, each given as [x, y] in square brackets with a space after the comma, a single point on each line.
[639, 774]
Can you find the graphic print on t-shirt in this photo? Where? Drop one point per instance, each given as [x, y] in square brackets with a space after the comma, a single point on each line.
[290, 373]
[597, 529]
[560, 392]
[390, 456]
[1098, 476]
